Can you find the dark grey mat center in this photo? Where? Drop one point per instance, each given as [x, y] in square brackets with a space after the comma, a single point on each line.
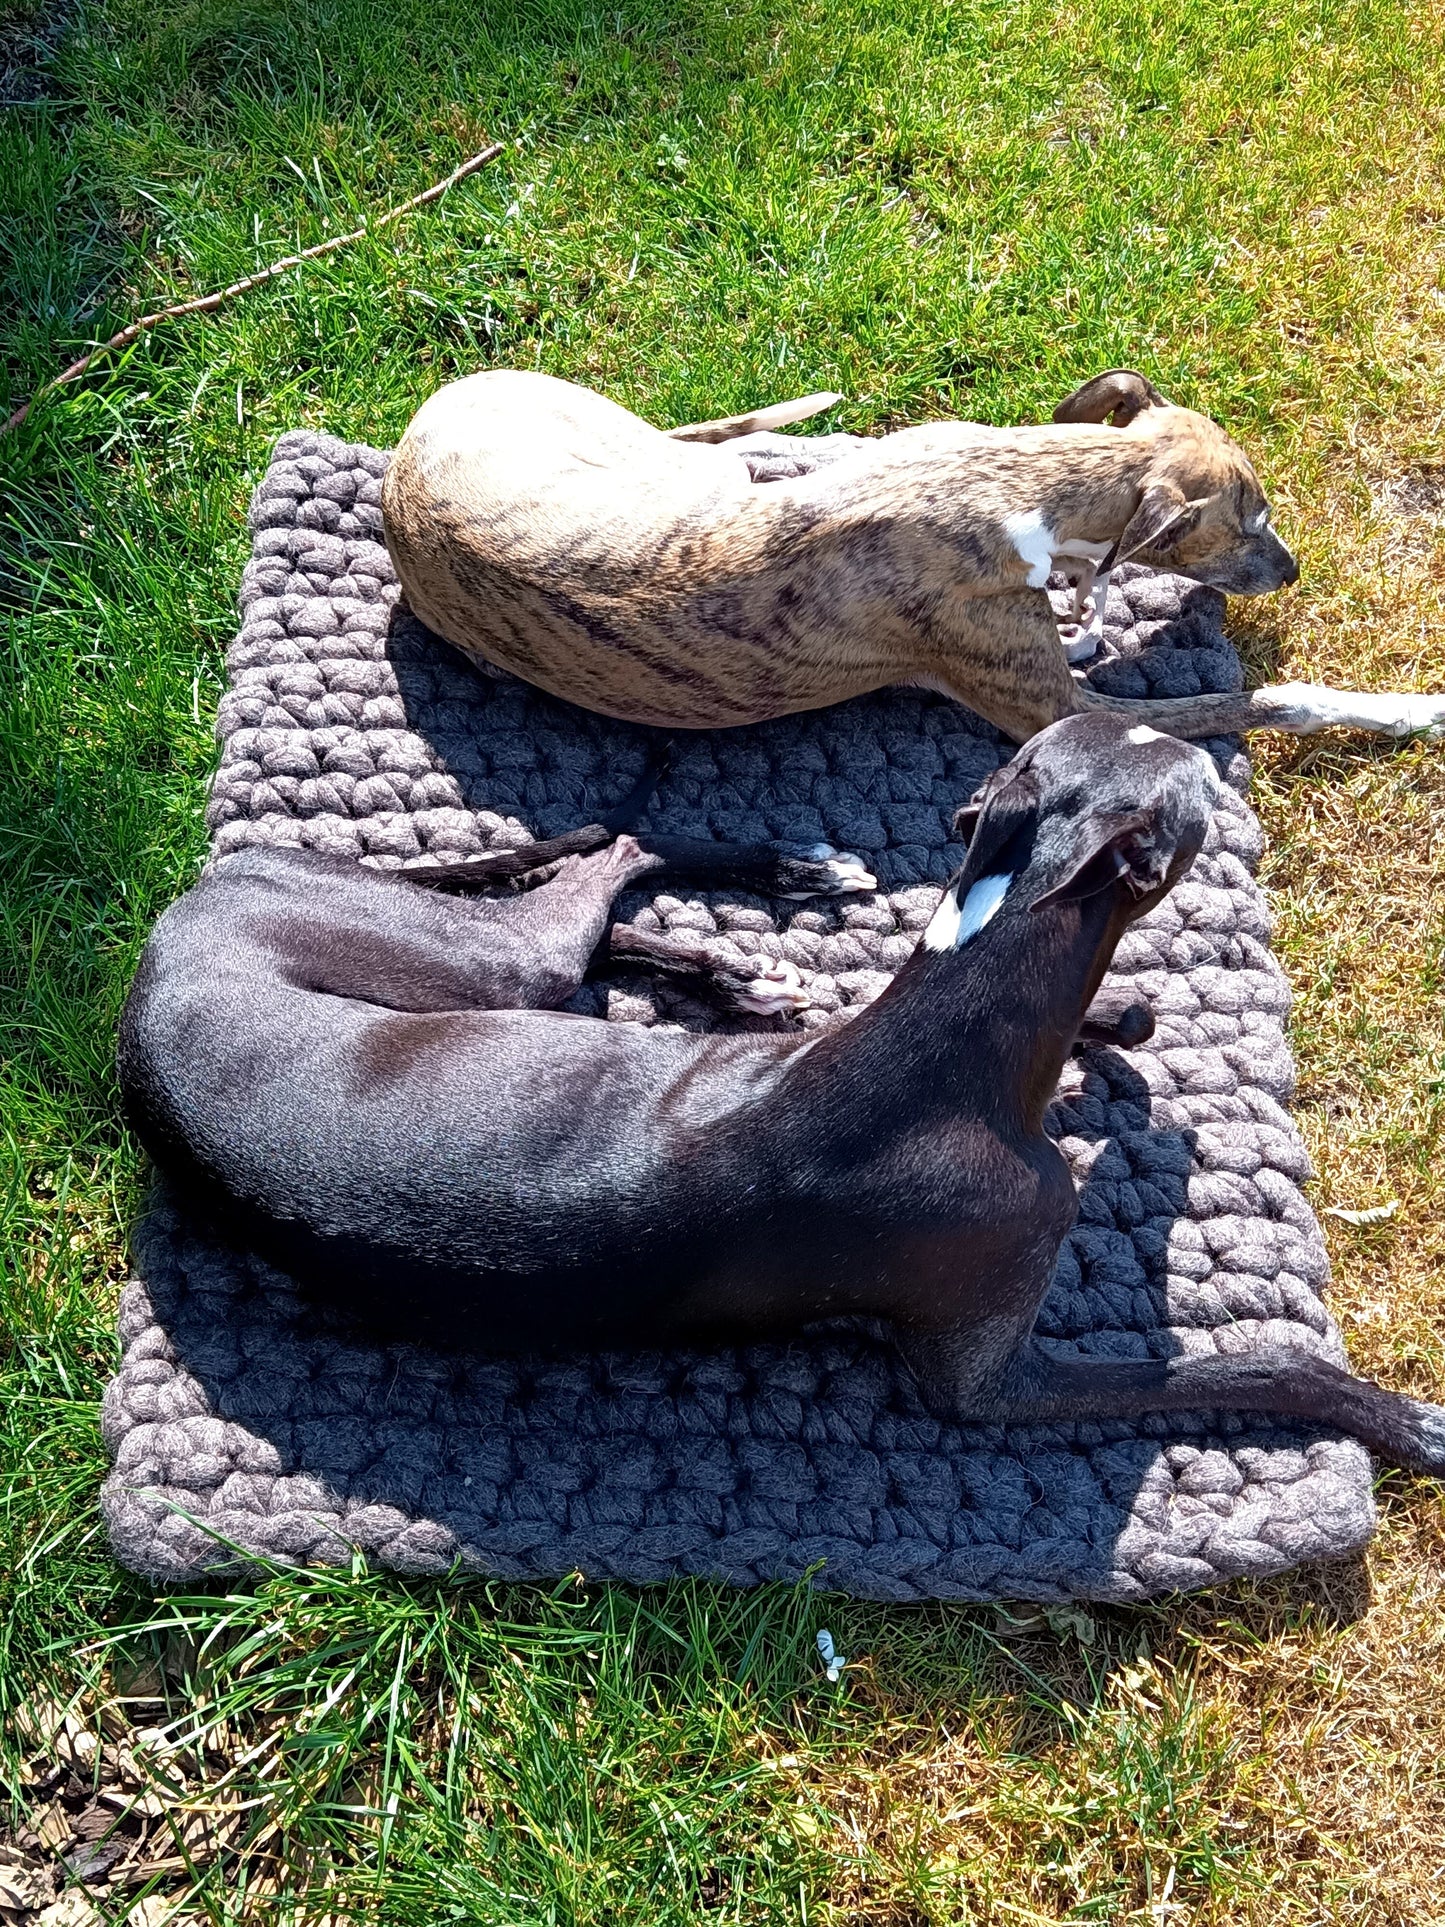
[232, 1422]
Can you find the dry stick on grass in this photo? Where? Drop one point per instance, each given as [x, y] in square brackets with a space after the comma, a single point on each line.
[207, 301]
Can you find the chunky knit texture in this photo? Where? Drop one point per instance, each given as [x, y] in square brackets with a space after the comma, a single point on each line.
[236, 1422]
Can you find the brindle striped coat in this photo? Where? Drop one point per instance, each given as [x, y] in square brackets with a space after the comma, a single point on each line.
[647, 575]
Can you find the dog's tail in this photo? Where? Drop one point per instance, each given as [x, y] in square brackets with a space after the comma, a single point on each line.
[532, 863]
[627, 813]
[780, 415]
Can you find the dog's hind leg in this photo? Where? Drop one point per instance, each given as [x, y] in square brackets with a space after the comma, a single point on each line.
[533, 863]
[338, 928]
[779, 414]
[770, 869]
[1001, 656]
[527, 863]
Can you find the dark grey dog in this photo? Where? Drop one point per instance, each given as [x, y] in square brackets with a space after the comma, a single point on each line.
[360, 1076]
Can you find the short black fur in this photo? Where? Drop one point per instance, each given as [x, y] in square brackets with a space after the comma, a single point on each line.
[369, 1081]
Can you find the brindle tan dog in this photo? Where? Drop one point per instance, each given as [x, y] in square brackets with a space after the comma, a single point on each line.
[646, 575]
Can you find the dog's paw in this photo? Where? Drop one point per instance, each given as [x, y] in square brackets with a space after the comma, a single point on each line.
[1423, 716]
[774, 990]
[1398, 715]
[1081, 644]
[1126, 1030]
[823, 871]
[1422, 1443]
[1308, 708]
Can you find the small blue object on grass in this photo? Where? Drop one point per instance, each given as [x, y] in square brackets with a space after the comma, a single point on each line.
[834, 1661]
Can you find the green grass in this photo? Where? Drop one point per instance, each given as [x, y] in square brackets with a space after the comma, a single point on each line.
[935, 208]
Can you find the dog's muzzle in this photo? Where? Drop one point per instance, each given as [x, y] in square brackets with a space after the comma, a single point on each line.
[1259, 567]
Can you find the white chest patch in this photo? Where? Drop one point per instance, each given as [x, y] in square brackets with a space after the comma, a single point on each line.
[1034, 542]
[953, 923]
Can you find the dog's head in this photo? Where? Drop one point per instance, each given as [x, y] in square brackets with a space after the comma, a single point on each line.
[1091, 804]
[1201, 511]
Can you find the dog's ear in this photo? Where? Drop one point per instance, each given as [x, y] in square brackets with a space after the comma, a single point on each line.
[1116, 396]
[966, 816]
[1162, 512]
[1001, 811]
[1111, 847]
[965, 821]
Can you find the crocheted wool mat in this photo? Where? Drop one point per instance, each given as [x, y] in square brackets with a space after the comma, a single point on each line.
[233, 1423]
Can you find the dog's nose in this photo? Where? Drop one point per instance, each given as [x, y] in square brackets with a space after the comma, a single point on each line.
[1288, 567]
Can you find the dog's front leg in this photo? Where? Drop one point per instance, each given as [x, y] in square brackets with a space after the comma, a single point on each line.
[1115, 1020]
[769, 868]
[1081, 576]
[1038, 1388]
[1001, 655]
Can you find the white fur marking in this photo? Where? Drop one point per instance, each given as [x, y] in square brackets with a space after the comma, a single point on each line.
[1035, 542]
[1393, 714]
[1141, 733]
[981, 903]
[1256, 523]
[942, 931]
[952, 926]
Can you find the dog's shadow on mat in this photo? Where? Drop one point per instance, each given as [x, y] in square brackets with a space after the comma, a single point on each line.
[880, 772]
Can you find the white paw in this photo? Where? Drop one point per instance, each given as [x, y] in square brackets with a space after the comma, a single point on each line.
[1080, 643]
[845, 873]
[1423, 716]
[1395, 713]
[776, 988]
[851, 873]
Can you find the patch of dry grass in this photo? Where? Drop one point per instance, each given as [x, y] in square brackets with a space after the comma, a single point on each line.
[1265, 1756]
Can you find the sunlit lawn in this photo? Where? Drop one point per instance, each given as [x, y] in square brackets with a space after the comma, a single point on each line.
[941, 208]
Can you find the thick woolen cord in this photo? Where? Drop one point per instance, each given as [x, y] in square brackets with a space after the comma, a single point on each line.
[347, 727]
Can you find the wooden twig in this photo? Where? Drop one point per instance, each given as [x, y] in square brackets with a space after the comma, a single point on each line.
[208, 301]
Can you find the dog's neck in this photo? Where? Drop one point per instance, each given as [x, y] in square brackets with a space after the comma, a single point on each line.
[986, 1026]
[1073, 488]
[1090, 483]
